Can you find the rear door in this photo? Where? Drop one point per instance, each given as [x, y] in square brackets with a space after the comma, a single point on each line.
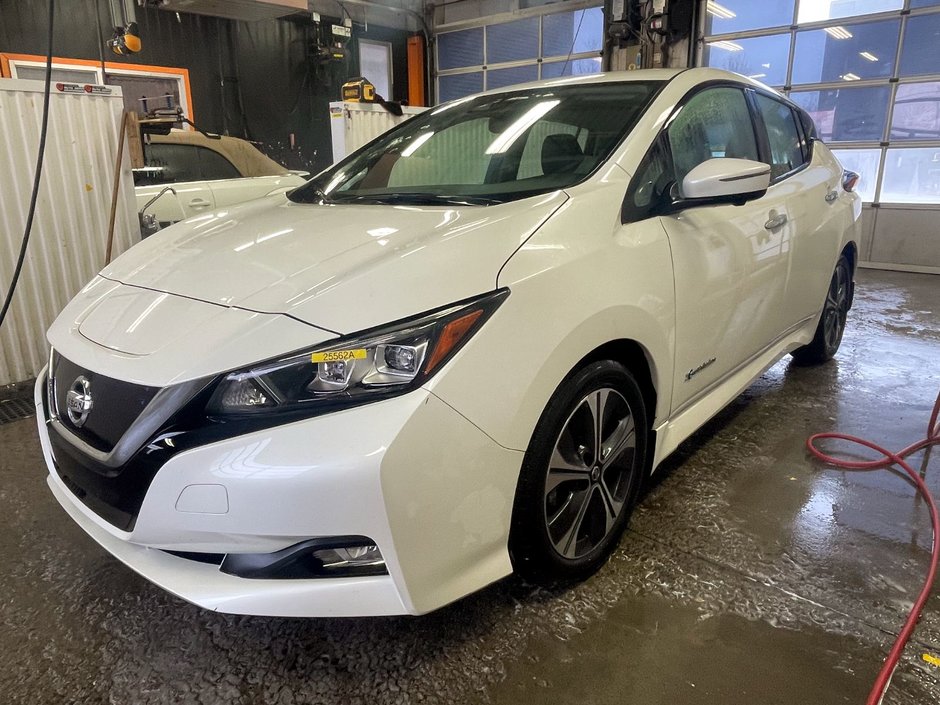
[810, 188]
[187, 169]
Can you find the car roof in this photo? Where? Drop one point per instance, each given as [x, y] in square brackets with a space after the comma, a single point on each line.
[688, 76]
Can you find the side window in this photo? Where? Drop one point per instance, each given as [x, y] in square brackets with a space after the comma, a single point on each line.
[648, 188]
[714, 123]
[175, 163]
[215, 167]
[786, 151]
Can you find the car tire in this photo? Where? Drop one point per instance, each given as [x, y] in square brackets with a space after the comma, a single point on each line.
[572, 504]
[831, 326]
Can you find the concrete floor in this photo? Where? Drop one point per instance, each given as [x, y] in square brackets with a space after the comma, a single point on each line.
[749, 575]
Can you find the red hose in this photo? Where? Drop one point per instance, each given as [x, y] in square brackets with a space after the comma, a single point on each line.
[889, 459]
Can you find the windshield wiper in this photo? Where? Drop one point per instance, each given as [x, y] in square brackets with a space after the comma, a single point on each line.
[411, 198]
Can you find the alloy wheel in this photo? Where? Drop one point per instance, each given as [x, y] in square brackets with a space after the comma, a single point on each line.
[590, 473]
[836, 308]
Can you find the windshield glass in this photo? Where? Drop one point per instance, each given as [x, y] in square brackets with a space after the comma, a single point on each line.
[488, 149]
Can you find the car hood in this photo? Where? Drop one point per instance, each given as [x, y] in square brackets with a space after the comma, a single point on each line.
[339, 267]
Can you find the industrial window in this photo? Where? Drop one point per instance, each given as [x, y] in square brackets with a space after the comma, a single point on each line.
[866, 72]
[144, 87]
[498, 54]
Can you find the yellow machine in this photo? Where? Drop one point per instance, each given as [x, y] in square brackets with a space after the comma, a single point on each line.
[359, 90]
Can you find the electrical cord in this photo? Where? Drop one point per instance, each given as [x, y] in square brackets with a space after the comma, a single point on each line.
[574, 41]
[888, 461]
[35, 193]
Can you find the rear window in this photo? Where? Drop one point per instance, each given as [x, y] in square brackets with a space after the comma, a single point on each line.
[166, 163]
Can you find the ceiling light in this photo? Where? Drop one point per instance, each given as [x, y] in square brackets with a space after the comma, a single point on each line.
[851, 77]
[720, 11]
[757, 75]
[727, 46]
[838, 32]
[868, 55]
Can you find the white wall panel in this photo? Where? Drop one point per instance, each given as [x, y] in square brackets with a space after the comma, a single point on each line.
[354, 124]
[907, 237]
[69, 237]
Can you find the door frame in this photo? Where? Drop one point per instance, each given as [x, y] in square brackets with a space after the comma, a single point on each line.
[9, 63]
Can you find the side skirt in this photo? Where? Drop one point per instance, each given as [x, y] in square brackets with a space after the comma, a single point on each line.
[697, 411]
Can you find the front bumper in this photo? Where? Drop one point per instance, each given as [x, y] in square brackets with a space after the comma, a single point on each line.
[427, 486]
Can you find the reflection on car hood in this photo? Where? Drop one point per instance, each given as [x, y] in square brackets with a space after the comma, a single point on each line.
[340, 267]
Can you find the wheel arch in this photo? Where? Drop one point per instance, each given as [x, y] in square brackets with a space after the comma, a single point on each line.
[851, 253]
[637, 359]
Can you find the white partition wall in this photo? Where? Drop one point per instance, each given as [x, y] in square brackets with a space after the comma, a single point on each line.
[354, 124]
[69, 236]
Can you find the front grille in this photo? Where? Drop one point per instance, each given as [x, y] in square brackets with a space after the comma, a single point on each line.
[115, 496]
[116, 404]
[115, 493]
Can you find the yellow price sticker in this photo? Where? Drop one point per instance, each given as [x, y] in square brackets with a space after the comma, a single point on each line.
[338, 355]
[931, 659]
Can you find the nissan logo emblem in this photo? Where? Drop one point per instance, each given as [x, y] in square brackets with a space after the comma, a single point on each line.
[78, 402]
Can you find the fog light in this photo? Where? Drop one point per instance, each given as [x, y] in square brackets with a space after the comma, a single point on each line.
[350, 557]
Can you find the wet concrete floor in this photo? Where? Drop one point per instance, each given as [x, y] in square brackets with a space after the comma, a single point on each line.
[749, 575]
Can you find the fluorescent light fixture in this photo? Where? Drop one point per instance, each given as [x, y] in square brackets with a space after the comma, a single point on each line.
[727, 46]
[838, 32]
[868, 55]
[720, 11]
[851, 77]
[502, 143]
[757, 75]
[416, 143]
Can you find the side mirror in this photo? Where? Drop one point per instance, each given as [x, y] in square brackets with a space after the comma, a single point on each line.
[723, 180]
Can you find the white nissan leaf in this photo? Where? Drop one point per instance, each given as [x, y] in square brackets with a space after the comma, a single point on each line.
[455, 354]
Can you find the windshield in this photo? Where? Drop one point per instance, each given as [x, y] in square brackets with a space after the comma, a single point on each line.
[488, 149]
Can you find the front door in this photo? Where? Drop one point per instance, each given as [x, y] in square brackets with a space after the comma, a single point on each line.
[729, 262]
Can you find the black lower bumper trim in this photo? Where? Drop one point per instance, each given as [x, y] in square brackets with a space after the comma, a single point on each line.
[300, 561]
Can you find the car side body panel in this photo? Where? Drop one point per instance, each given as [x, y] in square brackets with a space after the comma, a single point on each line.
[592, 282]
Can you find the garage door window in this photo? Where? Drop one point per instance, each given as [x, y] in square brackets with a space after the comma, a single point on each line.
[867, 73]
[851, 114]
[499, 54]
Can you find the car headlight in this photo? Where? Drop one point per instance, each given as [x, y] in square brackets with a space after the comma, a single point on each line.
[371, 365]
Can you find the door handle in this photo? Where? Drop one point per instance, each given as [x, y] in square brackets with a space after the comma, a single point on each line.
[776, 221]
[199, 203]
[831, 196]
